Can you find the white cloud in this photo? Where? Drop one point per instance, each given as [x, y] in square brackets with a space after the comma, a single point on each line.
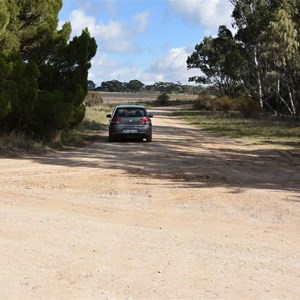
[113, 36]
[80, 21]
[117, 37]
[171, 67]
[209, 13]
[141, 21]
[104, 69]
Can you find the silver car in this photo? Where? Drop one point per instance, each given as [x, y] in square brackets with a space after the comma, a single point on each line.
[130, 121]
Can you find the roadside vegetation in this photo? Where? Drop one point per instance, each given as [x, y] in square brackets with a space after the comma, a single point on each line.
[237, 118]
[253, 73]
[260, 58]
[240, 118]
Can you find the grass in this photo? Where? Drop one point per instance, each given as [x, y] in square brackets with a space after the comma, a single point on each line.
[94, 121]
[261, 130]
[13, 143]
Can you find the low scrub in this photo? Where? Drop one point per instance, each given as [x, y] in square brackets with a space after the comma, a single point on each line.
[245, 105]
[14, 141]
[261, 129]
[93, 99]
[163, 99]
[248, 107]
[94, 121]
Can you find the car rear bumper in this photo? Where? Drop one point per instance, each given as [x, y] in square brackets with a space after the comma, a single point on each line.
[130, 134]
[130, 131]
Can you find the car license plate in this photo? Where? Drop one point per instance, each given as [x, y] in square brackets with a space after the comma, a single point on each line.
[130, 130]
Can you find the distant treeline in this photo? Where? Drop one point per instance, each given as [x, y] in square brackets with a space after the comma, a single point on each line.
[135, 86]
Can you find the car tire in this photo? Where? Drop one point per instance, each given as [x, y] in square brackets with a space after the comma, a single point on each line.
[111, 139]
[149, 139]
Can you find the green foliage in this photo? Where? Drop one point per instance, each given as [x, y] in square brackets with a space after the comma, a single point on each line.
[248, 107]
[262, 59]
[163, 99]
[210, 103]
[18, 91]
[221, 61]
[245, 105]
[135, 85]
[4, 19]
[43, 80]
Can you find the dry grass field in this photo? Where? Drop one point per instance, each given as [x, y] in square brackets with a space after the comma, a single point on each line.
[117, 97]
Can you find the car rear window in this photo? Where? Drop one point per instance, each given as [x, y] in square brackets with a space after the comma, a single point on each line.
[130, 112]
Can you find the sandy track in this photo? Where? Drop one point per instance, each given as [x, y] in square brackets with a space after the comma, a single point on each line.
[188, 216]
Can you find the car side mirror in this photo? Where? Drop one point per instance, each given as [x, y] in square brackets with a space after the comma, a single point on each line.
[150, 116]
[108, 116]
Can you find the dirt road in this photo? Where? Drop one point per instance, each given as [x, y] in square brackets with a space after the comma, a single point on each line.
[189, 216]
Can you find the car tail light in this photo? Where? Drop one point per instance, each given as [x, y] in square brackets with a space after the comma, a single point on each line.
[145, 120]
[115, 120]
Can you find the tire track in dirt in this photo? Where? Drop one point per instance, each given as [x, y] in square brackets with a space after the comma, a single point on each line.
[190, 215]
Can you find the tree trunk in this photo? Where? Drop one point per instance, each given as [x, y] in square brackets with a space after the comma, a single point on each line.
[297, 104]
[260, 93]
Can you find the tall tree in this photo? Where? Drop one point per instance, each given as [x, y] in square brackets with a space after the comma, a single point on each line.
[251, 17]
[268, 33]
[221, 61]
[135, 85]
[280, 43]
[48, 72]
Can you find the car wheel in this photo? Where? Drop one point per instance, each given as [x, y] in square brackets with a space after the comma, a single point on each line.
[149, 139]
[111, 139]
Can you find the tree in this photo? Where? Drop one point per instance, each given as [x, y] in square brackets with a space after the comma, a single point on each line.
[135, 85]
[281, 52]
[113, 86]
[67, 76]
[91, 85]
[267, 31]
[221, 61]
[165, 87]
[45, 78]
[250, 18]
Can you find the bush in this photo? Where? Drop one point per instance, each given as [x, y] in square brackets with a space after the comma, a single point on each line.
[198, 105]
[163, 99]
[247, 106]
[202, 102]
[93, 99]
[215, 104]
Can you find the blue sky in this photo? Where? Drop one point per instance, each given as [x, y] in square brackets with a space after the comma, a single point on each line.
[148, 40]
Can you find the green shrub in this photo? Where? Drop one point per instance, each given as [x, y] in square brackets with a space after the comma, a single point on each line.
[203, 102]
[247, 106]
[215, 104]
[199, 104]
[163, 99]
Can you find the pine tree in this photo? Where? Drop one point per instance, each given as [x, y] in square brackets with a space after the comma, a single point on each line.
[44, 81]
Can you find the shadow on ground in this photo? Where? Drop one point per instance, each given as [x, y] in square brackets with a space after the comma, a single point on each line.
[188, 156]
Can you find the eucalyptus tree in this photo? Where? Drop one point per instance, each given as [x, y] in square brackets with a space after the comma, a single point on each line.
[251, 17]
[280, 43]
[268, 30]
[135, 85]
[221, 61]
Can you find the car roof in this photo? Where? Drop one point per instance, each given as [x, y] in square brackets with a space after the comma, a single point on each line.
[130, 106]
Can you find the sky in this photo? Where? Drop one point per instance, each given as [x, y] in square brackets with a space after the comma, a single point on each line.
[147, 40]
